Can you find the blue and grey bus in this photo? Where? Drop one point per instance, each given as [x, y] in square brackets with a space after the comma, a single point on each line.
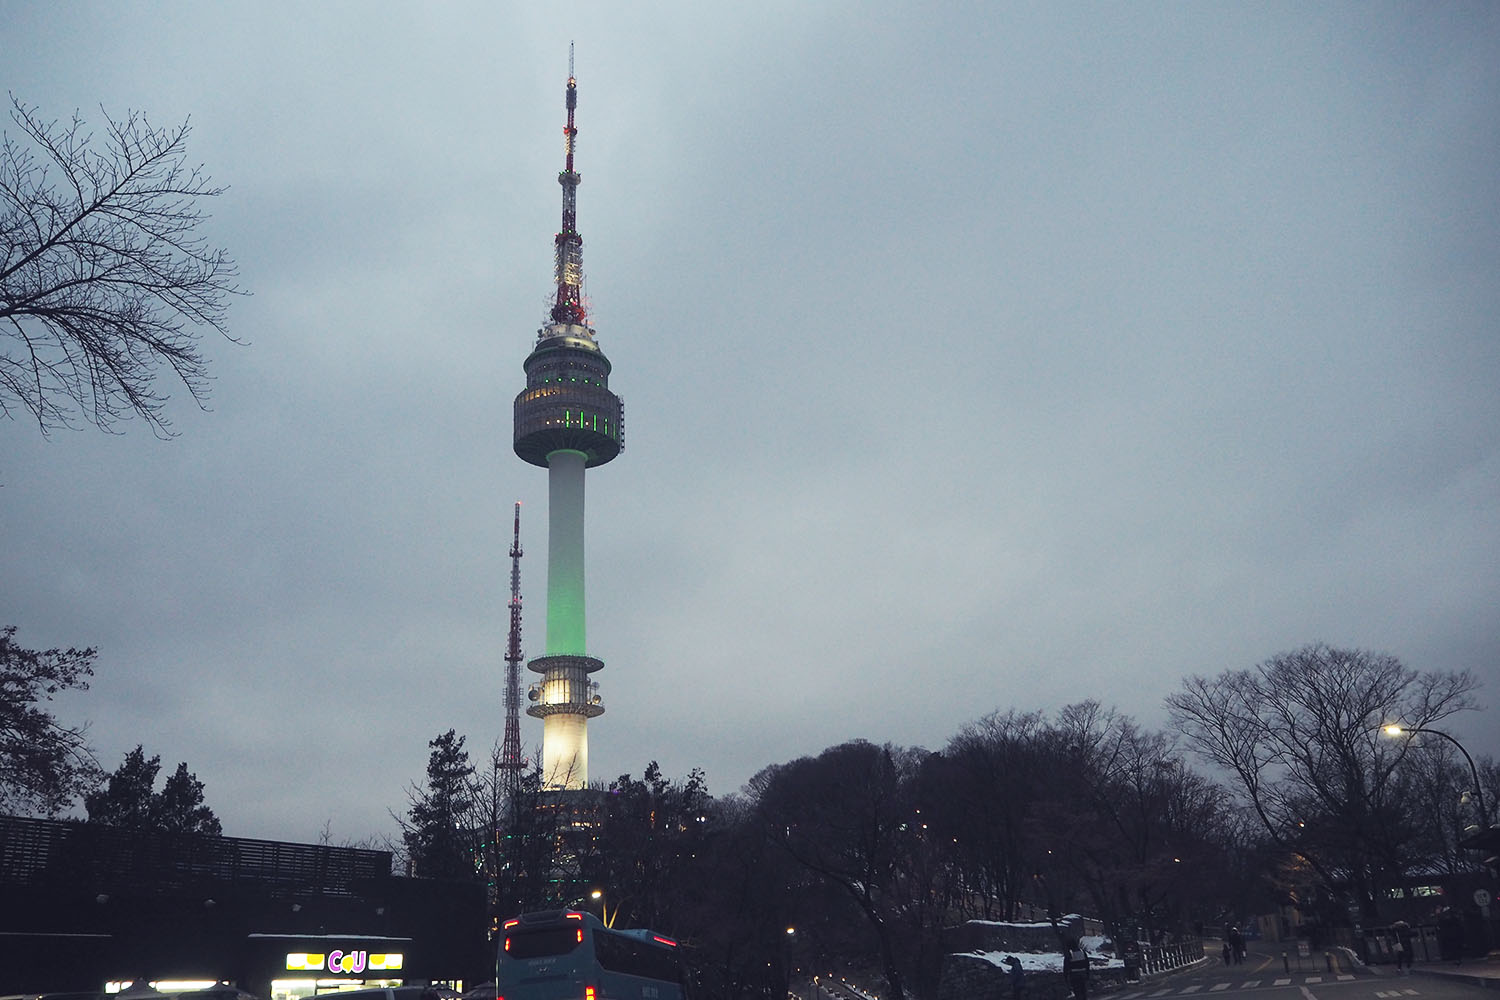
[569, 955]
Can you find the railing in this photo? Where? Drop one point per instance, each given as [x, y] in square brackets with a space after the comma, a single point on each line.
[42, 851]
[1156, 958]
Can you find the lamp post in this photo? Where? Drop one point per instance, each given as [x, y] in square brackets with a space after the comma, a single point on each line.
[604, 914]
[1396, 729]
[786, 960]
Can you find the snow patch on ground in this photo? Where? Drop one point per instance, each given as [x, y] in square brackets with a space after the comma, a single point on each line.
[1030, 961]
[1050, 961]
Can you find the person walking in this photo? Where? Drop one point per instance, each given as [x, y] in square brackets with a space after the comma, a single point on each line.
[1076, 969]
[1016, 977]
[1402, 946]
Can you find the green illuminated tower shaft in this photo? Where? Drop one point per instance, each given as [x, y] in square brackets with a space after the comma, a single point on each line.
[567, 420]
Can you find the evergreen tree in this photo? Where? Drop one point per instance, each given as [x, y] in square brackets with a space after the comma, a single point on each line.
[128, 799]
[439, 840]
[125, 798]
[179, 807]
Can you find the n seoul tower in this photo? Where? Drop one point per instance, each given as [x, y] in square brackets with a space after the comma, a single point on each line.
[567, 420]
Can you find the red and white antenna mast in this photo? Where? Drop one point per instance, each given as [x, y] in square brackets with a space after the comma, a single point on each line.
[510, 747]
[568, 257]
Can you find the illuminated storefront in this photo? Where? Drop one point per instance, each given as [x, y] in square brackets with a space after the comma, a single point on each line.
[305, 967]
[90, 906]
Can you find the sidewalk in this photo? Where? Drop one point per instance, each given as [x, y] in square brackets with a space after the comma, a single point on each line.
[1474, 971]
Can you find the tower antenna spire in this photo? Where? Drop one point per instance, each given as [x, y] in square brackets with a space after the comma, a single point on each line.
[568, 307]
[510, 747]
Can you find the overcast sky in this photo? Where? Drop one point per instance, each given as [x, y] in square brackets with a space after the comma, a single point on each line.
[975, 357]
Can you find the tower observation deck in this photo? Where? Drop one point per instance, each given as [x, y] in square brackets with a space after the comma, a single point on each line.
[567, 420]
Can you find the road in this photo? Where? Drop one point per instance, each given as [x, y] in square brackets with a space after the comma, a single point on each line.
[1263, 976]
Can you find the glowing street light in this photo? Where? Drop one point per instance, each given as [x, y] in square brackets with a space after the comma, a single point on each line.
[604, 914]
[1396, 729]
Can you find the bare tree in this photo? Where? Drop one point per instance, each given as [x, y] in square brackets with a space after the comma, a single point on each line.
[1149, 851]
[516, 836]
[848, 818]
[1300, 734]
[103, 276]
[979, 794]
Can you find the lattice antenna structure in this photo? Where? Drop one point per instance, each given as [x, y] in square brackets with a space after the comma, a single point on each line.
[510, 748]
[568, 255]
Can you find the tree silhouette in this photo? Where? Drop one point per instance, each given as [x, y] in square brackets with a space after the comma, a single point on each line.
[44, 765]
[179, 807]
[128, 799]
[438, 832]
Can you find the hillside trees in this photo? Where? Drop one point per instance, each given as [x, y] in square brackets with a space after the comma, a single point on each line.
[847, 816]
[746, 893]
[652, 833]
[1149, 850]
[870, 850]
[1082, 811]
[978, 796]
[1300, 734]
[104, 277]
[44, 764]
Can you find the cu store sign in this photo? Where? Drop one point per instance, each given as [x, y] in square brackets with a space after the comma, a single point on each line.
[351, 962]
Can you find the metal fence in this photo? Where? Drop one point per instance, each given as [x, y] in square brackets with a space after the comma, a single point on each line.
[61, 853]
[1147, 959]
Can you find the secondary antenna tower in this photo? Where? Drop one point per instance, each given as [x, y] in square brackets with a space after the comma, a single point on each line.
[510, 747]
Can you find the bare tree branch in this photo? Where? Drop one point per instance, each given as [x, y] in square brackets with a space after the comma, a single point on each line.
[104, 277]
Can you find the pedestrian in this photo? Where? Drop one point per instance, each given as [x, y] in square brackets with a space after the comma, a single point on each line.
[1076, 969]
[1402, 946]
[1228, 955]
[1017, 977]
[1237, 945]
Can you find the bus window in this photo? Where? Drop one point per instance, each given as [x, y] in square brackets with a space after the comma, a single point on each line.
[620, 953]
[541, 942]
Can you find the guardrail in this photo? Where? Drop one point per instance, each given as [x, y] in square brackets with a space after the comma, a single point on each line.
[1150, 959]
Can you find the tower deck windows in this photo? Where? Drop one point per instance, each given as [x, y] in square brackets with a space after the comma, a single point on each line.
[565, 687]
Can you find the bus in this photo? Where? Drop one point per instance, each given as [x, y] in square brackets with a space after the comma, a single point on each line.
[569, 955]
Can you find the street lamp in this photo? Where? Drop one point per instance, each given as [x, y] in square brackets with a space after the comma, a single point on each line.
[604, 914]
[1396, 729]
[786, 959]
